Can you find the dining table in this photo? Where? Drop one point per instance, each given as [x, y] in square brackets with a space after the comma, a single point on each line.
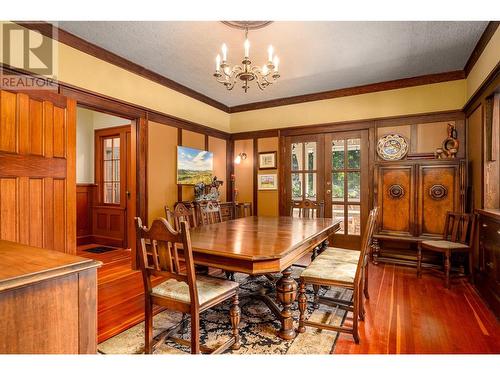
[261, 245]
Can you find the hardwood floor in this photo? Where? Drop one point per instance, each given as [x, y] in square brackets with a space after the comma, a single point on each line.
[120, 301]
[404, 314]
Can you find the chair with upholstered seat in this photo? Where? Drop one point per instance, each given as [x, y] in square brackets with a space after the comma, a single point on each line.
[458, 236]
[340, 268]
[183, 291]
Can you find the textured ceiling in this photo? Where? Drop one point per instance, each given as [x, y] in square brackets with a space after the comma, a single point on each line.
[314, 56]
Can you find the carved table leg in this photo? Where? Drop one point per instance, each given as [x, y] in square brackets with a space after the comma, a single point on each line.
[235, 314]
[447, 267]
[286, 292]
[375, 251]
[302, 307]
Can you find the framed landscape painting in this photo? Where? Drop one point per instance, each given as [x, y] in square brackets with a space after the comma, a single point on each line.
[194, 166]
[267, 181]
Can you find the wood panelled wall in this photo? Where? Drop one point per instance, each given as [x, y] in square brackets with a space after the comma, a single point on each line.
[37, 170]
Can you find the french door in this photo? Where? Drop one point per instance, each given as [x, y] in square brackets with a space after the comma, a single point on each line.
[331, 168]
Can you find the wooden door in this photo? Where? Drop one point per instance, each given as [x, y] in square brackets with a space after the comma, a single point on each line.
[112, 176]
[332, 168]
[346, 176]
[37, 170]
[305, 172]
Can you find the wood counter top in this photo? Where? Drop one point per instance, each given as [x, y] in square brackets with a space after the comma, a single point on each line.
[21, 264]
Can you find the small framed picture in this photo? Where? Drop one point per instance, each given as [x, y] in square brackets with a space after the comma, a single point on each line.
[267, 182]
[267, 160]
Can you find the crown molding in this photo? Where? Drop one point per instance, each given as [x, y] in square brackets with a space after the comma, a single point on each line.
[350, 91]
[80, 44]
[480, 46]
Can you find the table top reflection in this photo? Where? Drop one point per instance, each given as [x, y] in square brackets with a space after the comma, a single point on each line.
[259, 237]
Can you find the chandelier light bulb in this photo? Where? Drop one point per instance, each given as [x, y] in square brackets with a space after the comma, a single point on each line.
[247, 47]
[270, 51]
[265, 70]
[217, 63]
[276, 63]
[224, 52]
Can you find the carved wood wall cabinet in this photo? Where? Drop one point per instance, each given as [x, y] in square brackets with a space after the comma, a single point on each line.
[413, 197]
[392, 147]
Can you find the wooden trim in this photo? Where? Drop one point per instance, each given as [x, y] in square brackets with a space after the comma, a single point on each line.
[80, 44]
[255, 134]
[185, 124]
[255, 173]
[351, 91]
[206, 143]
[229, 170]
[480, 46]
[179, 143]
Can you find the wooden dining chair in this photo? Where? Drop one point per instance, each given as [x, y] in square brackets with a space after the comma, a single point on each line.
[183, 291]
[307, 208]
[458, 236]
[244, 209]
[334, 268]
[179, 214]
[210, 213]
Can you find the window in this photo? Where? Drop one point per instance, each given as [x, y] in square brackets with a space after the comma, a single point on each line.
[111, 170]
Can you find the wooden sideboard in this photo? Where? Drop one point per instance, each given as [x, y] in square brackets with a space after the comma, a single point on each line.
[487, 258]
[413, 197]
[47, 301]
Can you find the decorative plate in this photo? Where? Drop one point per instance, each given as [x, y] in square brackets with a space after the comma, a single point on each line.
[392, 147]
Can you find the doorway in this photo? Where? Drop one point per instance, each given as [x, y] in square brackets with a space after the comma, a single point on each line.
[331, 168]
[103, 179]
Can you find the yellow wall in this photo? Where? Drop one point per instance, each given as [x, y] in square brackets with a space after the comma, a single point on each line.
[412, 100]
[243, 172]
[162, 154]
[484, 65]
[267, 200]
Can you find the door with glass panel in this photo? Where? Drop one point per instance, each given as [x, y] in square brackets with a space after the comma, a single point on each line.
[112, 176]
[333, 168]
[305, 170]
[346, 175]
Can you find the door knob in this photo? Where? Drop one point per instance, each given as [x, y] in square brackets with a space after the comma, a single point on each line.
[127, 193]
[328, 191]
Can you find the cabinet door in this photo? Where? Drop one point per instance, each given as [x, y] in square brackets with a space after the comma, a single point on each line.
[395, 191]
[438, 193]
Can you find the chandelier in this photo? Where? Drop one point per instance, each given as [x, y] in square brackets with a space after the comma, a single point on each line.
[246, 72]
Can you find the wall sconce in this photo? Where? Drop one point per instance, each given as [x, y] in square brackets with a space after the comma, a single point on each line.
[241, 156]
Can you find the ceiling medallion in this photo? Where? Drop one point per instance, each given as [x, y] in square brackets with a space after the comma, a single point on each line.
[228, 75]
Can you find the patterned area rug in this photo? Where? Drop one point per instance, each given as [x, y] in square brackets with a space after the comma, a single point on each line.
[257, 328]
